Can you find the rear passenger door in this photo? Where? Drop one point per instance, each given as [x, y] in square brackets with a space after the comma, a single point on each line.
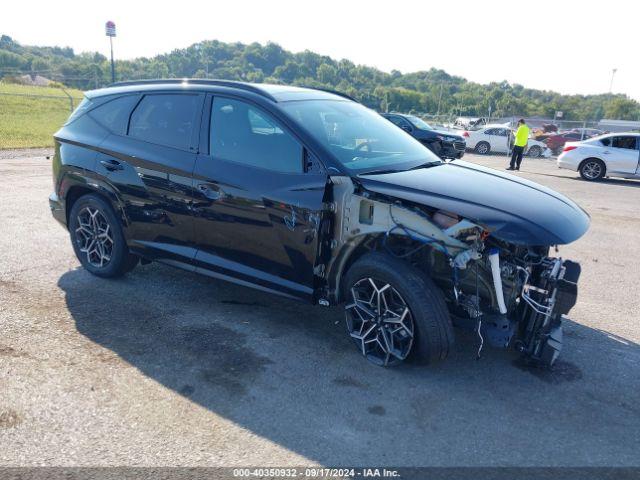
[150, 162]
[622, 155]
[259, 196]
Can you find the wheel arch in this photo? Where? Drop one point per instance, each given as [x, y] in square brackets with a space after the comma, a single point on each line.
[344, 259]
[75, 190]
[582, 162]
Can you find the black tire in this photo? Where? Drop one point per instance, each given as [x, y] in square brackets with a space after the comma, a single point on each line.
[592, 169]
[432, 329]
[94, 259]
[534, 152]
[482, 148]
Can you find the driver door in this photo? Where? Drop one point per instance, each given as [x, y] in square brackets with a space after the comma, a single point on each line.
[259, 199]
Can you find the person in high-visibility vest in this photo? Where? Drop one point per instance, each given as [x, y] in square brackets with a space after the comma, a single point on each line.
[522, 136]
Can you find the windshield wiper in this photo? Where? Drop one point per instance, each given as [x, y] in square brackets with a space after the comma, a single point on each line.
[396, 170]
[427, 165]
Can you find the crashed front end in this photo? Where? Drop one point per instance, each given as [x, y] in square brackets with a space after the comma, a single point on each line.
[486, 244]
[511, 296]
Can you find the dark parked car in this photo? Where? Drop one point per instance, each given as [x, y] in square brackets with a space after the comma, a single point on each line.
[308, 194]
[442, 143]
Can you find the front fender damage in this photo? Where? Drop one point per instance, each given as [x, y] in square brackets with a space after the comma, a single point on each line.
[509, 294]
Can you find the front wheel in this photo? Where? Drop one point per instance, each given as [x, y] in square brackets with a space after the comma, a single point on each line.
[395, 312]
[97, 238]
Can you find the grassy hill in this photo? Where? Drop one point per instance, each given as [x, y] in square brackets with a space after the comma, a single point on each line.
[28, 118]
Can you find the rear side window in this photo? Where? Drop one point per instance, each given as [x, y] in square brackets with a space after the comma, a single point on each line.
[165, 119]
[245, 134]
[624, 142]
[115, 114]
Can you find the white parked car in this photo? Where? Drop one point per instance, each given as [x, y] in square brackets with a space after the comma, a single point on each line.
[499, 139]
[611, 155]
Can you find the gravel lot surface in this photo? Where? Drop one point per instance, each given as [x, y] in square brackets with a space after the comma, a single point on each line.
[165, 367]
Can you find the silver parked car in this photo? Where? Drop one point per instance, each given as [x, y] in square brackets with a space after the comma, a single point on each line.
[611, 155]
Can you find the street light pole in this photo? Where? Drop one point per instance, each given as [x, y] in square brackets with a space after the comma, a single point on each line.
[110, 31]
[113, 67]
[613, 72]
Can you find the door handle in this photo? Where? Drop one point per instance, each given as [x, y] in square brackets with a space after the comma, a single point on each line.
[111, 164]
[210, 193]
[606, 152]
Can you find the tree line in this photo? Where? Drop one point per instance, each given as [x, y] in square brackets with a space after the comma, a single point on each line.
[429, 92]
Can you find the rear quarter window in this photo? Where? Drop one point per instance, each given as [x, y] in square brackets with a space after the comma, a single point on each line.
[115, 113]
[84, 105]
[165, 119]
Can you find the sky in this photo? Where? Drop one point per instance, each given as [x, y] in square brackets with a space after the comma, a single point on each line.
[564, 45]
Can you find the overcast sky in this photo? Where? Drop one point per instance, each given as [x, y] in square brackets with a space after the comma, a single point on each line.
[562, 45]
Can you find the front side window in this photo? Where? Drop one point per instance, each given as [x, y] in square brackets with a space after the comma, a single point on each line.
[399, 121]
[244, 134]
[359, 138]
[624, 142]
[419, 123]
[165, 119]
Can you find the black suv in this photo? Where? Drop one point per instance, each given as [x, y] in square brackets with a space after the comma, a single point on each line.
[308, 194]
[442, 143]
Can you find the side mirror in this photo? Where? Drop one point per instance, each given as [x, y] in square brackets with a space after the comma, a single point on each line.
[406, 128]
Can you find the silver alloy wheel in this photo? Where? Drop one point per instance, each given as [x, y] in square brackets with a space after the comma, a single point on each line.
[94, 236]
[380, 322]
[592, 170]
[534, 151]
[483, 148]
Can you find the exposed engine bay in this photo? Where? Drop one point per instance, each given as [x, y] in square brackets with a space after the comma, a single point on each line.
[509, 294]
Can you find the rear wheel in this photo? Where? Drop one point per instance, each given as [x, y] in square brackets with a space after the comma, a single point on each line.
[97, 238]
[483, 148]
[592, 169]
[395, 313]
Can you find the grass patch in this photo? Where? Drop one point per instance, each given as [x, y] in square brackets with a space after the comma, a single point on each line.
[32, 121]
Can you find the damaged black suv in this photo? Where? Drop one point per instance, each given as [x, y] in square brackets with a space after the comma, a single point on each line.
[308, 194]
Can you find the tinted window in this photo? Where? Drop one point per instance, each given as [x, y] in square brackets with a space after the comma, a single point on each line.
[490, 131]
[165, 119]
[624, 142]
[399, 121]
[85, 104]
[244, 134]
[606, 141]
[115, 114]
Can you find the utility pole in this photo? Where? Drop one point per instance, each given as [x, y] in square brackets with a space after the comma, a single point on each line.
[439, 100]
[110, 30]
[613, 72]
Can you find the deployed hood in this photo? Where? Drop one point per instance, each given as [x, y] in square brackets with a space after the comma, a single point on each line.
[511, 208]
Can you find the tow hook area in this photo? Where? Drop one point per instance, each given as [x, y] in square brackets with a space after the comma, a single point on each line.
[498, 330]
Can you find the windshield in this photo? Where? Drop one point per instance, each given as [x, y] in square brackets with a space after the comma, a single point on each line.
[362, 140]
[418, 122]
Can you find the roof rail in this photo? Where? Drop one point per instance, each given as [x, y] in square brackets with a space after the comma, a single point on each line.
[335, 92]
[198, 81]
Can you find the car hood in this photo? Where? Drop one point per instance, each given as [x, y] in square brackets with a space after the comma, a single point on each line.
[511, 208]
[446, 133]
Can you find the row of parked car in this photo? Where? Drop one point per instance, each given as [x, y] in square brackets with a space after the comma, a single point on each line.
[588, 151]
[496, 138]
